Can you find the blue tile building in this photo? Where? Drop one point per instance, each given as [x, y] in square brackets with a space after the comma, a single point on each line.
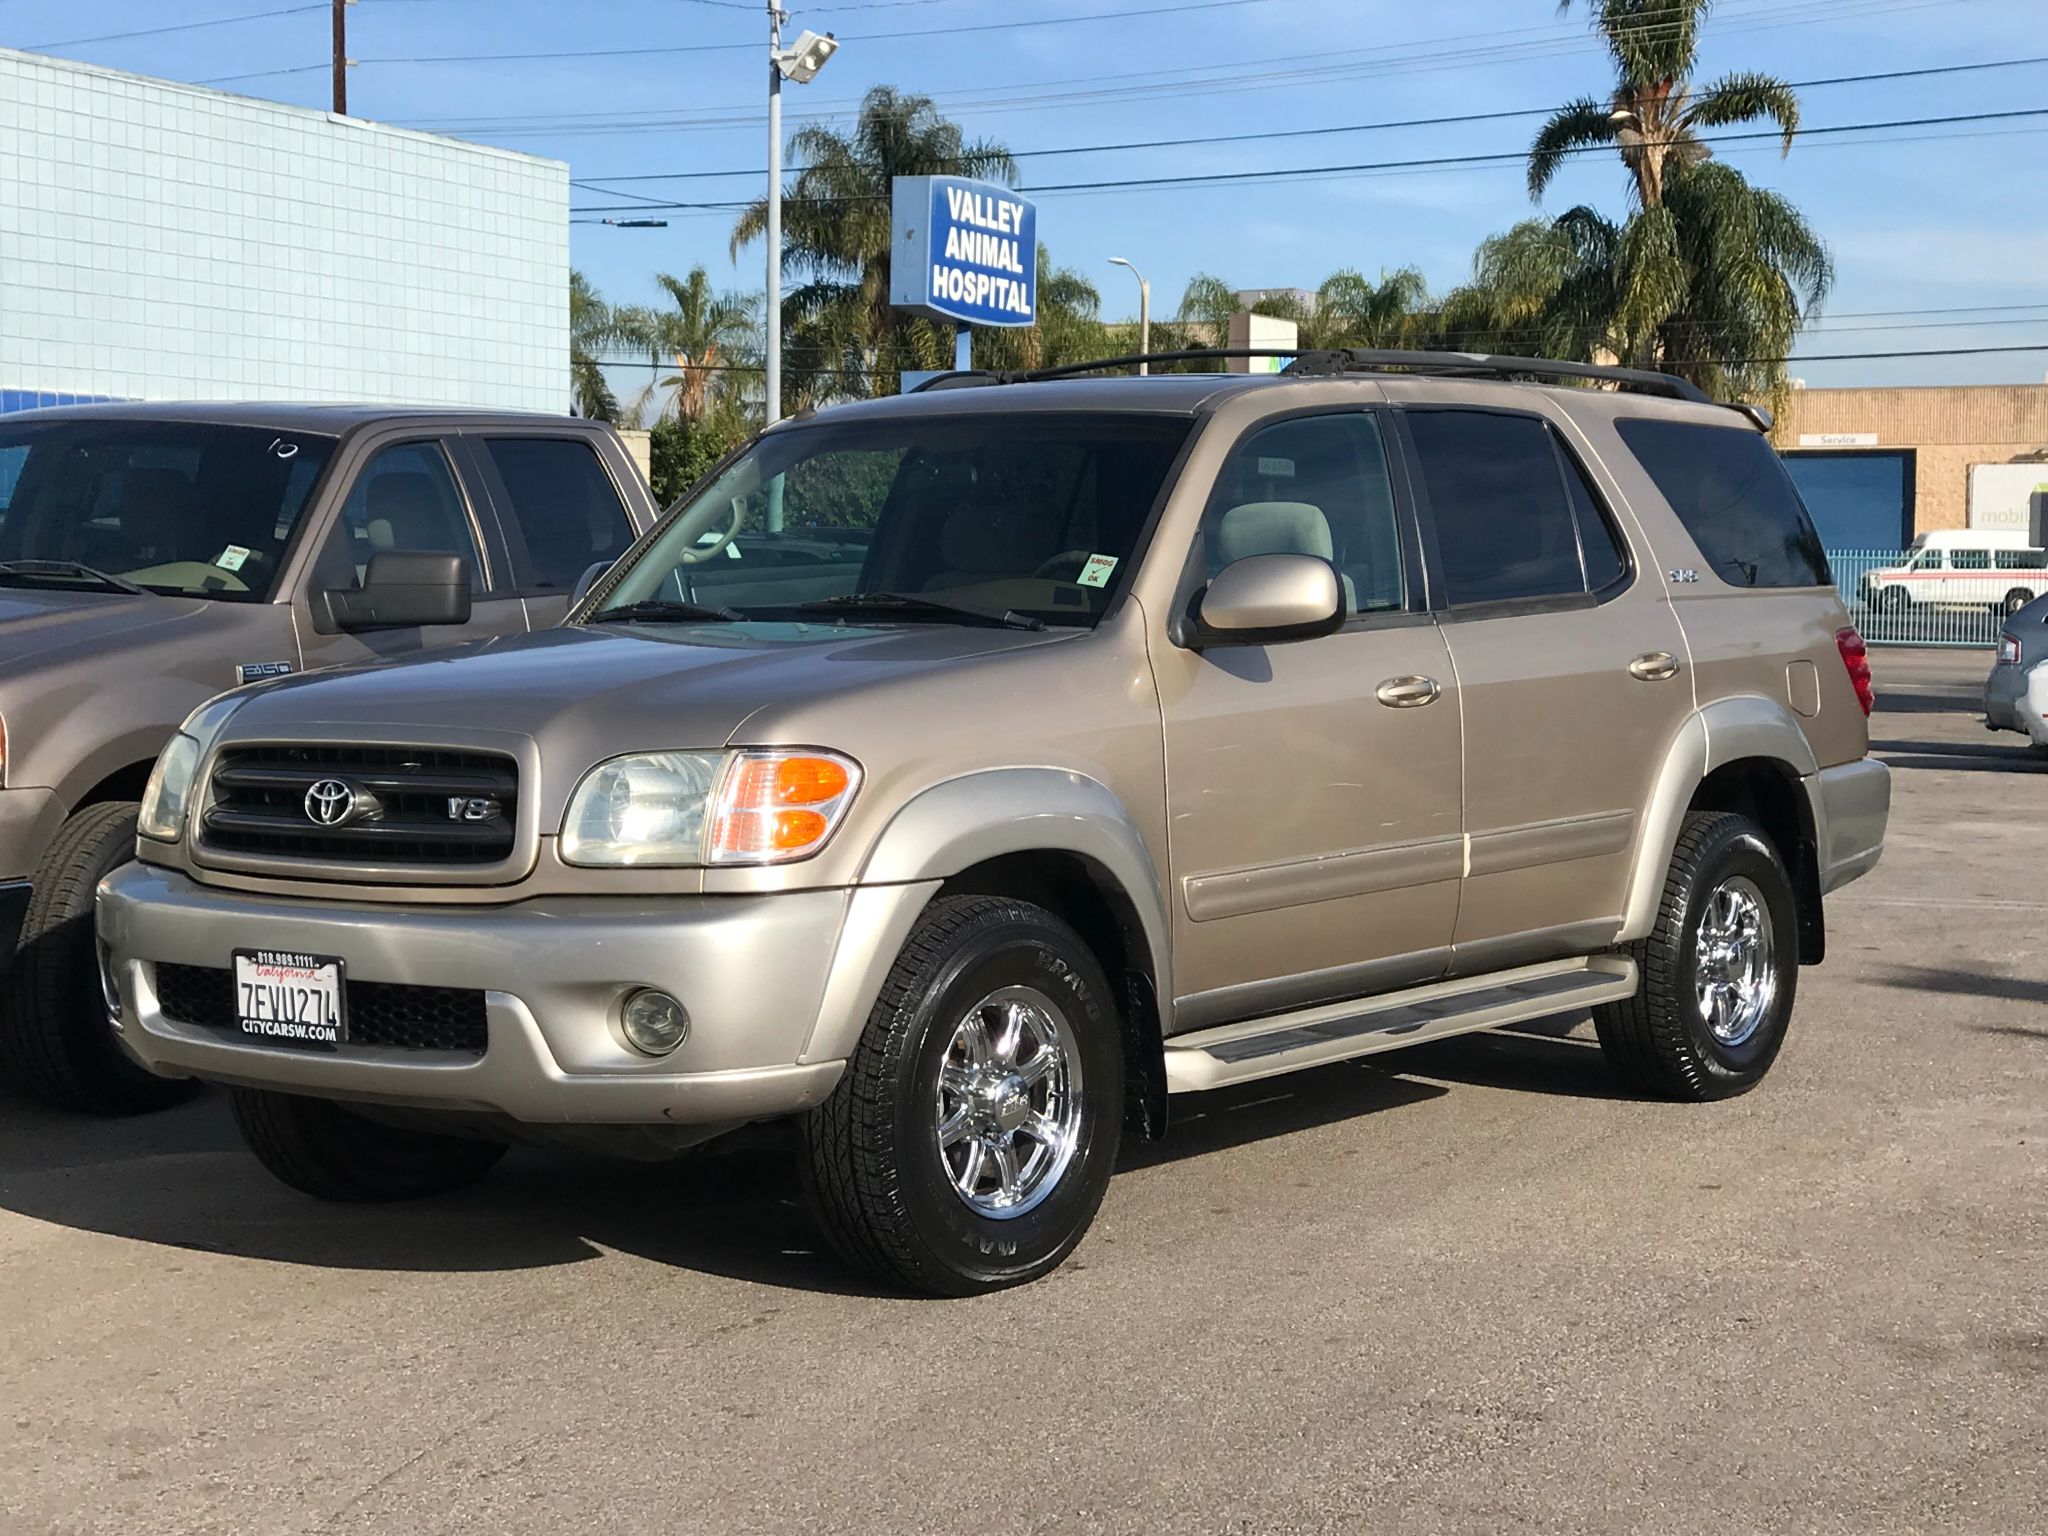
[163, 241]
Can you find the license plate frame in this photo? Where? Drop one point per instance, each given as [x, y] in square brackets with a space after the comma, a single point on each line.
[290, 999]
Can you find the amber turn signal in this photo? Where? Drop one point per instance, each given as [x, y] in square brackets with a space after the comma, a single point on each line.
[780, 805]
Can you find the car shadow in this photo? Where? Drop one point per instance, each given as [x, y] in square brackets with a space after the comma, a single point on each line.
[1892, 701]
[2016, 989]
[1959, 756]
[182, 1179]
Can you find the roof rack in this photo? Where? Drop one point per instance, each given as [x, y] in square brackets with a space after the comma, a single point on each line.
[1311, 362]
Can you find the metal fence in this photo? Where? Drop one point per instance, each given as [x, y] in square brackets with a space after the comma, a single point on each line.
[1893, 606]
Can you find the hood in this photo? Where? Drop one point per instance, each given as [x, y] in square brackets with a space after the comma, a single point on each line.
[39, 627]
[590, 693]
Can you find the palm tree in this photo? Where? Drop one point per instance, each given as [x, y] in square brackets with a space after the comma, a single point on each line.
[704, 332]
[1654, 115]
[836, 242]
[1352, 311]
[1710, 276]
[592, 327]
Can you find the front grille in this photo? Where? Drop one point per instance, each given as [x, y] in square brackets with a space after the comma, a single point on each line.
[383, 1013]
[426, 805]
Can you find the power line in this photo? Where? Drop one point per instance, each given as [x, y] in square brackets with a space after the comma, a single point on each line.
[1242, 75]
[593, 183]
[863, 37]
[1432, 162]
[182, 26]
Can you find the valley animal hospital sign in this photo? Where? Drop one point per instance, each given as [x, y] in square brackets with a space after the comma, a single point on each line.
[965, 251]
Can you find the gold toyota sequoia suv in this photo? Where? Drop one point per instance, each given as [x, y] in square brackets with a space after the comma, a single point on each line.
[959, 777]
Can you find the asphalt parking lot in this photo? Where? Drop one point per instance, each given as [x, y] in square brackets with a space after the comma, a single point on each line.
[1469, 1288]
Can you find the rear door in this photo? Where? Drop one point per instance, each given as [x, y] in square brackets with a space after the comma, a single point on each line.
[1571, 678]
[560, 507]
[406, 493]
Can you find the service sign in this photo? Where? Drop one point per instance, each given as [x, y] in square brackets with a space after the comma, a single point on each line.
[965, 251]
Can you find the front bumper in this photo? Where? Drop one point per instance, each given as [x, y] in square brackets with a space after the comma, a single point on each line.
[1852, 804]
[776, 986]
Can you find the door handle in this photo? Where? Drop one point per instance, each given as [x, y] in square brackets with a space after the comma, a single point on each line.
[1654, 666]
[1409, 692]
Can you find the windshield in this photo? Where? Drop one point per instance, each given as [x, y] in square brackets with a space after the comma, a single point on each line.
[174, 507]
[1028, 519]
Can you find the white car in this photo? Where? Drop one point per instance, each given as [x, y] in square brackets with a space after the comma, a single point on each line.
[1962, 568]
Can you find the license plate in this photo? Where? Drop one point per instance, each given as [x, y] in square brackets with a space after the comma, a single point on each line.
[286, 998]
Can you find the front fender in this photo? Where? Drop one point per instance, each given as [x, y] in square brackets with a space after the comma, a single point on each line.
[953, 826]
[1726, 731]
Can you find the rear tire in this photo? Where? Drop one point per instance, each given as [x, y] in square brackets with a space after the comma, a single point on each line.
[320, 1149]
[2015, 600]
[994, 1050]
[57, 1044]
[1712, 1008]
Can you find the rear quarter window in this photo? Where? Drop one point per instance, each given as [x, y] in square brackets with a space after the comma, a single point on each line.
[1735, 499]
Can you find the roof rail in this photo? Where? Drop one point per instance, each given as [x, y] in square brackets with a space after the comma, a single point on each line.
[1331, 362]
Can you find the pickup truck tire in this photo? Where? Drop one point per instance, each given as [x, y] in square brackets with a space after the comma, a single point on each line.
[971, 1139]
[320, 1149]
[1718, 971]
[56, 1043]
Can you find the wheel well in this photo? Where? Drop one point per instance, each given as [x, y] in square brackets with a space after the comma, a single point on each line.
[1090, 901]
[1768, 792]
[122, 784]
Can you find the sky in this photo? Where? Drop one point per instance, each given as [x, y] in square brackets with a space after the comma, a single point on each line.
[1938, 231]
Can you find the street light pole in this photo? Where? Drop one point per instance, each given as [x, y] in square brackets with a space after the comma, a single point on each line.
[1144, 310]
[774, 317]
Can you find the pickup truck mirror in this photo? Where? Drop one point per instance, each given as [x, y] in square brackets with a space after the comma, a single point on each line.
[402, 589]
[1266, 599]
[587, 580]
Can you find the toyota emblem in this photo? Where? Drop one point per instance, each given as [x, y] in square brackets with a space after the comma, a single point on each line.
[330, 802]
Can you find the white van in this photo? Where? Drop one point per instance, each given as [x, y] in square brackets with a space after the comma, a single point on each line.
[1967, 567]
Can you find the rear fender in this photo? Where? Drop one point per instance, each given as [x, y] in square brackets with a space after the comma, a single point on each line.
[1726, 731]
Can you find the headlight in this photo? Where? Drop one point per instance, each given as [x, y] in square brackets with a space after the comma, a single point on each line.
[697, 808]
[168, 798]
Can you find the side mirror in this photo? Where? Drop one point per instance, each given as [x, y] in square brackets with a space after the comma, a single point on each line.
[587, 580]
[402, 589]
[1268, 599]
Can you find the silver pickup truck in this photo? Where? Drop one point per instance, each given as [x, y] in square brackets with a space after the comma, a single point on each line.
[152, 556]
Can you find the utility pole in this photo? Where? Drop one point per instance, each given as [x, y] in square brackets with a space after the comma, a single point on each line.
[774, 359]
[341, 57]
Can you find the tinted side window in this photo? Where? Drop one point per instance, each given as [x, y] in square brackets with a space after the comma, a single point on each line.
[1313, 485]
[563, 503]
[1504, 528]
[1598, 542]
[404, 498]
[1734, 498]
[2008, 559]
[1973, 560]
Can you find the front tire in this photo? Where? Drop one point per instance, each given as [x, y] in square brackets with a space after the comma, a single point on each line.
[57, 1044]
[1718, 972]
[971, 1139]
[321, 1149]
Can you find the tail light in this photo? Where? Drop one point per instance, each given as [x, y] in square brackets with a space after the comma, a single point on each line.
[2009, 650]
[1856, 657]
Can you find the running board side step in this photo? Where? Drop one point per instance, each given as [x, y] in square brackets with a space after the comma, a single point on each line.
[1310, 1037]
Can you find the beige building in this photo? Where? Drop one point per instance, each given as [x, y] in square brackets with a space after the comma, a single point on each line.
[1915, 459]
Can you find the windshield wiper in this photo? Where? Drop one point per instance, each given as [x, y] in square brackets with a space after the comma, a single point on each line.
[904, 605]
[68, 570]
[666, 610]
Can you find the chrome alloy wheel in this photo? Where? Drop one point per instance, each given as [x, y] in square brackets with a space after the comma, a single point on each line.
[1009, 1102]
[1734, 976]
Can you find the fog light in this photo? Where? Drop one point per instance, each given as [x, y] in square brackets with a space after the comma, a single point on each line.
[654, 1022]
